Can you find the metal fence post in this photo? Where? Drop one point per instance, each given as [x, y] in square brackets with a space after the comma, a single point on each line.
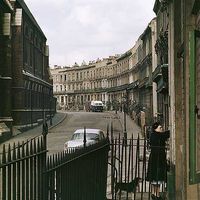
[44, 182]
[84, 139]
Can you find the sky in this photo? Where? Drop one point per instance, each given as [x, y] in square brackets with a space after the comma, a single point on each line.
[85, 30]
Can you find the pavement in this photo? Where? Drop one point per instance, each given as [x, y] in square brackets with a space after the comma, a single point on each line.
[34, 132]
[131, 126]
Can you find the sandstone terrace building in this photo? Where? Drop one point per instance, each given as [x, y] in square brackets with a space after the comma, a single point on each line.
[109, 79]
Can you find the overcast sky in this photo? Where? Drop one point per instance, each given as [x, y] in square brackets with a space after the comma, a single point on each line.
[78, 30]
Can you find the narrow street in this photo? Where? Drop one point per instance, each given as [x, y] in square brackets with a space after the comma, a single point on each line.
[60, 134]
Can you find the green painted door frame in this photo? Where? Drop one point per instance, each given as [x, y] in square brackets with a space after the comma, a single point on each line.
[194, 175]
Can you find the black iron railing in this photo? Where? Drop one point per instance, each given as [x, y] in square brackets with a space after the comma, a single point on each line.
[128, 167]
[21, 170]
[26, 172]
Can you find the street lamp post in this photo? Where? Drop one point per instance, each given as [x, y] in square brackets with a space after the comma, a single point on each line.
[45, 129]
[124, 109]
[50, 111]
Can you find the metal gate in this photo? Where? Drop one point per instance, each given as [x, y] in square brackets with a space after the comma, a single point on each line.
[128, 163]
[80, 174]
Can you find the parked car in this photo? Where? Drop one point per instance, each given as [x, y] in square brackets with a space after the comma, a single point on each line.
[96, 106]
[92, 136]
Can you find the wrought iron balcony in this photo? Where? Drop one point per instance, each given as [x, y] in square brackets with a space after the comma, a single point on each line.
[143, 82]
[133, 85]
[157, 74]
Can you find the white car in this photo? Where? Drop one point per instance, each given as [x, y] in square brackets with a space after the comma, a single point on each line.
[92, 136]
[96, 106]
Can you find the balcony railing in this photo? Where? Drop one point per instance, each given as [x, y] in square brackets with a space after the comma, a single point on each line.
[143, 82]
[156, 75]
[133, 85]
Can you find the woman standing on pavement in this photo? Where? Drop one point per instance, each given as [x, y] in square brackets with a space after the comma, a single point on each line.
[157, 165]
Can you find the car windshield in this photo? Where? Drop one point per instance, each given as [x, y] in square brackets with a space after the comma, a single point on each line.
[89, 136]
[98, 104]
